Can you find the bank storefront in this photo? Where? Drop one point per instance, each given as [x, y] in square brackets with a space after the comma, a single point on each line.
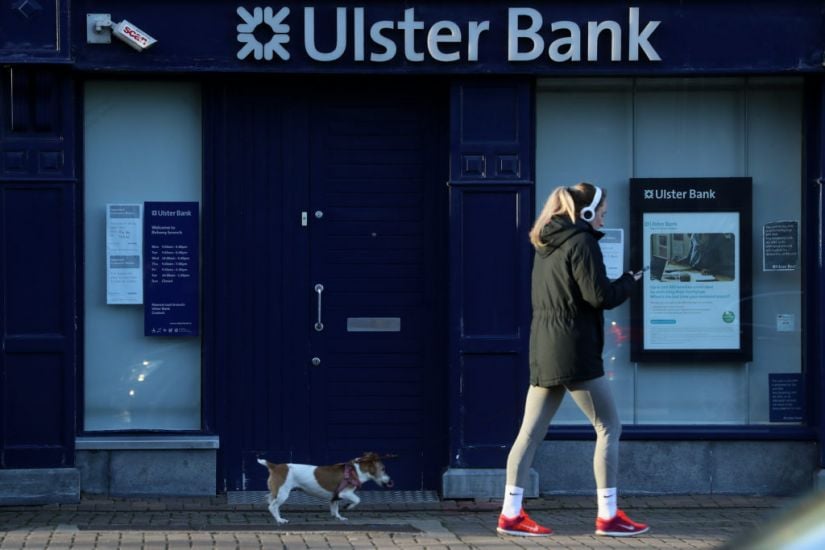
[299, 232]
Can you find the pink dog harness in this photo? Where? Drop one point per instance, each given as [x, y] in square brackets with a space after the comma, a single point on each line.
[349, 481]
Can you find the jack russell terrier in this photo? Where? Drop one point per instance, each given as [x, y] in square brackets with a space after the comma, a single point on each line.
[335, 482]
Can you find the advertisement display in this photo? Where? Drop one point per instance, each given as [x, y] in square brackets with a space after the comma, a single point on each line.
[693, 236]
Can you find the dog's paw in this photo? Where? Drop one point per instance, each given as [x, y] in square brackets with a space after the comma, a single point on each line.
[281, 521]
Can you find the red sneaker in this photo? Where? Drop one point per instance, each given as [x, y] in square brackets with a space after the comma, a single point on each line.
[619, 526]
[521, 526]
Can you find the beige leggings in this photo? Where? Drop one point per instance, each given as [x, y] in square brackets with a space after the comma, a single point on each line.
[596, 401]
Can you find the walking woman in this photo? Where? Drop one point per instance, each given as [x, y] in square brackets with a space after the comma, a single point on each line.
[570, 290]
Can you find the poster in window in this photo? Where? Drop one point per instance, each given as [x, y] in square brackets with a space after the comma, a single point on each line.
[693, 304]
[124, 254]
[171, 274]
[780, 246]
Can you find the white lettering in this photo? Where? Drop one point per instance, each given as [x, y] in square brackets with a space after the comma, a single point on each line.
[383, 41]
[340, 35]
[474, 31]
[358, 34]
[525, 25]
[593, 31]
[515, 33]
[527, 37]
[435, 38]
[635, 40]
[572, 42]
[409, 25]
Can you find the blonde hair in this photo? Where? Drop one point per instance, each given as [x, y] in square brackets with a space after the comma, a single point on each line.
[567, 201]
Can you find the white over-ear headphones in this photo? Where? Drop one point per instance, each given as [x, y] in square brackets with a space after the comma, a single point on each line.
[588, 213]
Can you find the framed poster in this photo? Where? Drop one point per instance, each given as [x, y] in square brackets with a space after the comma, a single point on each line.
[694, 303]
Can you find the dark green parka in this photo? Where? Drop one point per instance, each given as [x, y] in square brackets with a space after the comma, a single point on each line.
[570, 290]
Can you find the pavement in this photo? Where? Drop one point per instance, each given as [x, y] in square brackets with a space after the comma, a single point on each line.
[683, 522]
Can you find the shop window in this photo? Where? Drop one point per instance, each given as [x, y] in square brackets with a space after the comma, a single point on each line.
[608, 131]
[142, 143]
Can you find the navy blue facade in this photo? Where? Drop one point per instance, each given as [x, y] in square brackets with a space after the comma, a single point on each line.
[475, 102]
[694, 37]
[38, 280]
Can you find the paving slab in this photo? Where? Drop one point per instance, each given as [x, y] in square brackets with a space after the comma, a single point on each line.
[677, 522]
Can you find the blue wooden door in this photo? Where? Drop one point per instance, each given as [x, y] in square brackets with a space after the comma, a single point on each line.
[338, 186]
[377, 274]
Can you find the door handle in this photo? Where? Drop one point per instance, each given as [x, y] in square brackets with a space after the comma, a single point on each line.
[319, 326]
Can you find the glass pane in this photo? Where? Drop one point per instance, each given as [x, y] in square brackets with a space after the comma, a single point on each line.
[142, 143]
[607, 131]
[585, 134]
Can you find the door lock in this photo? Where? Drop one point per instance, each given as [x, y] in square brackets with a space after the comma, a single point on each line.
[319, 214]
[316, 361]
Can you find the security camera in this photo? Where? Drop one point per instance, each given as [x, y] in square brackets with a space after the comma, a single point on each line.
[133, 36]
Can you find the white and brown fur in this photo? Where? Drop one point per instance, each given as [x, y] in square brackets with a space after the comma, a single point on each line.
[322, 481]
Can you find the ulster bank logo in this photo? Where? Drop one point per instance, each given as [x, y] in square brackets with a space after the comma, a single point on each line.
[258, 26]
[680, 194]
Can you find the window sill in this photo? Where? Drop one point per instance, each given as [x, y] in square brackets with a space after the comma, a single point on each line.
[146, 442]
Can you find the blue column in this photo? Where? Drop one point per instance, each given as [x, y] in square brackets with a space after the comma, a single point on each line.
[491, 208]
[38, 278]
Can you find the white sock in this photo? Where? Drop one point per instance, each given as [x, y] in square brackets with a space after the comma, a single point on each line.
[512, 501]
[606, 499]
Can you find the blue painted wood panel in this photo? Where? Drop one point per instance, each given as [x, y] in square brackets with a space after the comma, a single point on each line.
[377, 168]
[37, 325]
[35, 31]
[259, 404]
[38, 263]
[491, 210]
[492, 130]
[36, 124]
[371, 163]
[490, 316]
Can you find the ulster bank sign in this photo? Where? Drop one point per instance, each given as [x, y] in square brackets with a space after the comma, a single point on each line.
[351, 35]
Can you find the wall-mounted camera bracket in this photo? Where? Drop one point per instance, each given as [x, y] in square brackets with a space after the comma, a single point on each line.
[98, 28]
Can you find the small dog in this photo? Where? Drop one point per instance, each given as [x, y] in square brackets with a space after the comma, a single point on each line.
[335, 482]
